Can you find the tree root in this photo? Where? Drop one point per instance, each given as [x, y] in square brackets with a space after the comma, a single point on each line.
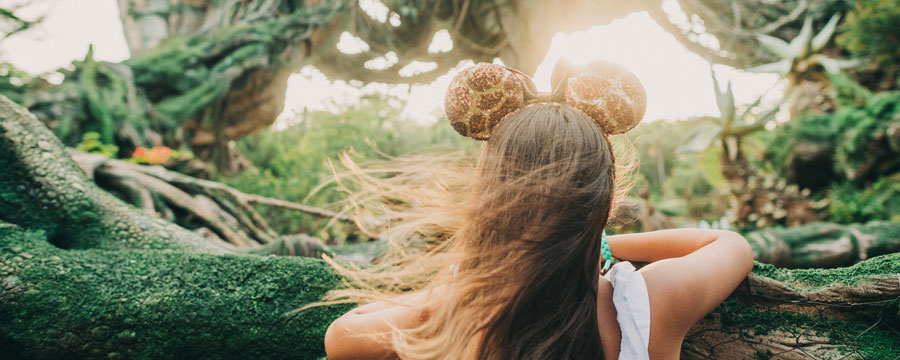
[227, 213]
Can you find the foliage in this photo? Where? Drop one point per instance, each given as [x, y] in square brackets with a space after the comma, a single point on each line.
[93, 97]
[90, 143]
[696, 182]
[289, 163]
[802, 52]
[678, 183]
[873, 29]
[861, 140]
[13, 82]
[11, 23]
[733, 122]
[852, 203]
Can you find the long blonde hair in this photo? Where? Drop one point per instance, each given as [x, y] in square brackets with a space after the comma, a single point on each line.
[511, 240]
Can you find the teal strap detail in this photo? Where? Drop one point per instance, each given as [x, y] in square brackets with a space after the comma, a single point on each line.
[605, 252]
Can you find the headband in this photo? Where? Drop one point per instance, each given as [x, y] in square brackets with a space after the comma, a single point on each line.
[482, 95]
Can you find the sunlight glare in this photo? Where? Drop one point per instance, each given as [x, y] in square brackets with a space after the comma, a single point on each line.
[677, 81]
[441, 42]
[349, 44]
[382, 62]
[375, 9]
[417, 67]
[394, 19]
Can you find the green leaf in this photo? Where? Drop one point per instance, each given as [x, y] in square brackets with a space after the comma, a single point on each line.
[800, 44]
[700, 140]
[779, 67]
[776, 46]
[724, 100]
[821, 39]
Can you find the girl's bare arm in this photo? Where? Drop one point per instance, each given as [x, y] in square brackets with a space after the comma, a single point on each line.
[365, 332]
[663, 244]
[692, 272]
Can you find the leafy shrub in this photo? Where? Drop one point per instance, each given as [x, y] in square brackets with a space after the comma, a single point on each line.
[852, 203]
[90, 143]
[860, 141]
[873, 29]
[289, 163]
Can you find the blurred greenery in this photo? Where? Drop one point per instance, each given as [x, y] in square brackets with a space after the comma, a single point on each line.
[872, 28]
[289, 163]
[859, 141]
[90, 143]
[854, 203]
[678, 183]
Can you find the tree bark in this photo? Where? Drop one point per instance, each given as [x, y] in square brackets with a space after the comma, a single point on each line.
[42, 188]
[801, 314]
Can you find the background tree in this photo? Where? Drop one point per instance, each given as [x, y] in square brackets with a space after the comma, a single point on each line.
[206, 73]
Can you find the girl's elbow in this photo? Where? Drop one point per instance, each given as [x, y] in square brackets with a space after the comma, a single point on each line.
[333, 336]
[743, 251]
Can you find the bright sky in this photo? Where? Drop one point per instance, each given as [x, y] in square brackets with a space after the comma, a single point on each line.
[678, 82]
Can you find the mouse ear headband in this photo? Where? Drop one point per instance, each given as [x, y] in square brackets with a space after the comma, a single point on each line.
[482, 95]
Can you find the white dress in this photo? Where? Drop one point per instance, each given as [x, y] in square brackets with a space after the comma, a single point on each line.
[632, 310]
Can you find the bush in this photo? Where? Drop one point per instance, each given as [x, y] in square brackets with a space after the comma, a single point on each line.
[873, 29]
[289, 163]
[851, 203]
[860, 141]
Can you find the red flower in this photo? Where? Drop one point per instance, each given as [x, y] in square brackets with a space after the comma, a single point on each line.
[139, 152]
[158, 155]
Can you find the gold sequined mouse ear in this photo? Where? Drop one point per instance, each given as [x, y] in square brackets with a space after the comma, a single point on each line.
[608, 93]
[480, 96]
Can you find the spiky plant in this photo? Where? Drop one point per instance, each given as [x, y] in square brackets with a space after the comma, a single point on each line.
[803, 52]
[758, 199]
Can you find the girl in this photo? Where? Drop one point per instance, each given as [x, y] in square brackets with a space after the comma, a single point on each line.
[519, 275]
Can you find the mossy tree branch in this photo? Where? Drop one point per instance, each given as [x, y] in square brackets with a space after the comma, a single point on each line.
[825, 245]
[150, 304]
[41, 188]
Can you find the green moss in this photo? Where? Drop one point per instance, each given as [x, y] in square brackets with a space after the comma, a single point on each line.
[158, 304]
[41, 188]
[866, 336]
[816, 278]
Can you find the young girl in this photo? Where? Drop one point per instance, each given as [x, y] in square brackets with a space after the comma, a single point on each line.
[519, 275]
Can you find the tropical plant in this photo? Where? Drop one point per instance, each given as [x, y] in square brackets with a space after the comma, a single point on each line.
[859, 141]
[732, 125]
[873, 29]
[803, 52]
[288, 164]
[758, 199]
[91, 143]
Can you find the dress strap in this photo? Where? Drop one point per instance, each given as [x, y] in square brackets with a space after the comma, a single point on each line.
[632, 304]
